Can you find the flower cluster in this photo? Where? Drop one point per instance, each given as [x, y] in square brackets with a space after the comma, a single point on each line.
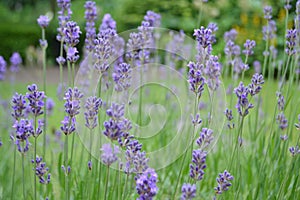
[188, 191]
[15, 61]
[18, 105]
[102, 52]
[281, 119]
[72, 33]
[90, 17]
[223, 182]
[122, 76]
[294, 150]
[212, 72]
[92, 106]
[152, 18]
[195, 78]
[43, 21]
[243, 104]
[205, 38]
[249, 45]
[72, 106]
[64, 15]
[146, 184]
[2, 68]
[36, 100]
[23, 129]
[109, 155]
[291, 36]
[198, 164]
[268, 12]
[229, 116]
[108, 23]
[242, 93]
[205, 138]
[41, 170]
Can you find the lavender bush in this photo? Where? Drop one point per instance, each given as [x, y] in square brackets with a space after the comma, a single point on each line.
[144, 130]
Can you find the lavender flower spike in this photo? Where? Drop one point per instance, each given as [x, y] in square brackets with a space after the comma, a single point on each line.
[122, 76]
[15, 61]
[109, 155]
[90, 17]
[18, 105]
[188, 191]
[249, 45]
[198, 164]
[41, 170]
[2, 68]
[268, 12]
[43, 21]
[91, 114]
[291, 36]
[256, 84]
[146, 185]
[36, 100]
[223, 182]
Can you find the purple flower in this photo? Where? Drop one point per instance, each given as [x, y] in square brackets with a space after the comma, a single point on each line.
[68, 125]
[72, 54]
[294, 150]
[196, 79]
[268, 12]
[2, 68]
[198, 164]
[15, 61]
[205, 138]
[203, 36]
[287, 5]
[91, 17]
[146, 184]
[269, 31]
[257, 66]
[249, 45]
[196, 120]
[43, 21]
[72, 33]
[60, 60]
[72, 104]
[291, 36]
[102, 52]
[23, 129]
[122, 76]
[230, 35]
[280, 101]
[256, 84]
[109, 155]
[243, 104]
[18, 105]
[108, 23]
[223, 182]
[92, 106]
[282, 121]
[297, 125]
[212, 71]
[36, 100]
[64, 15]
[188, 191]
[140, 162]
[152, 18]
[41, 170]
[134, 46]
[49, 106]
[228, 114]
[132, 149]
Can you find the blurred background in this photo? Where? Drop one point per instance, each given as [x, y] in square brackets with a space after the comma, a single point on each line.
[19, 30]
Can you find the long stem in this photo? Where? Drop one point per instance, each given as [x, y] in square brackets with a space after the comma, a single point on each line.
[60, 65]
[125, 186]
[191, 148]
[23, 171]
[66, 168]
[34, 176]
[106, 183]
[44, 88]
[14, 172]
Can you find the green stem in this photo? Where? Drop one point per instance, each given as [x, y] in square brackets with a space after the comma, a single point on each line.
[23, 171]
[266, 54]
[14, 172]
[44, 88]
[125, 186]
[191, 148]
[35, 164]
[66, 168]
[106, 183]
